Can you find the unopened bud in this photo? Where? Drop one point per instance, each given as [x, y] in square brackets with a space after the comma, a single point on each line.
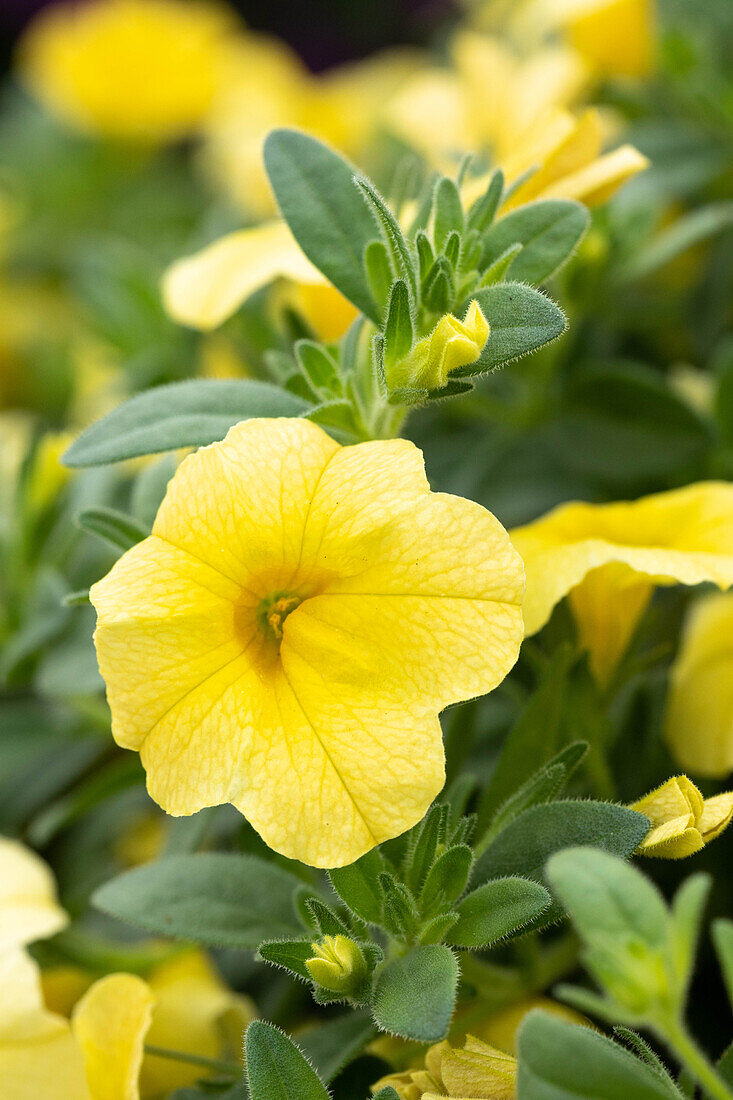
[337, 964]
[451, 344]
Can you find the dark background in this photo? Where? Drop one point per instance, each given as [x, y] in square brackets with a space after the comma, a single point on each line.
[323, 32]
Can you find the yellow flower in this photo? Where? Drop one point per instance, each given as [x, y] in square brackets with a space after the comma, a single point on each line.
[285, 638]
[337, 964]
[145, 70]
[699, 717]
[615, 37]
[195, 1013]
[610, 557]
[517, 109]
[450, 345]
[474, 1072]
[682, 822]
[47, 476]
[110, 1023]
[499, 1028]
[38, 1054]
[266, 86]
[29, 909]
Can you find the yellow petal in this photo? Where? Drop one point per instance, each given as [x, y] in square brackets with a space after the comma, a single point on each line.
[28, 907]
[683, 536]
[699, 718]
[716, 815]
[63, 986]
[110, 1023]
[614, 36]
[578, 143]
[203, 290]
[191, 1011]
[325, 309]
[607, 606]
[598, 181]
[674, 839]
[675, 798]
[479, 1071]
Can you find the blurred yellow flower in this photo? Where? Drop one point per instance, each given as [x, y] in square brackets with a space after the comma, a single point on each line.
[614, 37]
[47, 475]
[63, 986]
[110, 1023]
[499, 1028]
[38, 1054]
[195, 1013]
[286, 637]
[450, 345]
[517, 109]
[142, 70]
[682, 822]
[266, 86]
[699, 718]
[475, 1070]
[610, 557]
[29, 909]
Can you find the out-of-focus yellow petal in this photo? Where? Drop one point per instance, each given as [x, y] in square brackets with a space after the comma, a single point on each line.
[428, 114]
[28, 907]
[110, 1023]
[195, 1013]
[38, 1054]
[222, 638]
[598, 181]
[205, 289]
[63, 986]
[616, 37]
[568, 145]
[325, 309]
[135, 69]
[699, 717]
[607, 606]
[683, 536]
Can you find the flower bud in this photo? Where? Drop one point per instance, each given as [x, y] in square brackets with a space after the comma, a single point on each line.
[337, 964]
[451, 344]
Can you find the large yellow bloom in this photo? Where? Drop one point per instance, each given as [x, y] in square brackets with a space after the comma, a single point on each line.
[610, 557]
[475, 1070]
[134, 69]
[285, 638]
[29, 909]
[699, 718]
[682, 821]
[518, 110]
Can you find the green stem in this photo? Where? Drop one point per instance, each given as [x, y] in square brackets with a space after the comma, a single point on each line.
[688, 1052]
[228, 1069]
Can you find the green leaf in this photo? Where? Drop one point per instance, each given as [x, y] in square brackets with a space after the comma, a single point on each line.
[687, 910]
[379, 273]
[216, 898]
[497, 910]
[606, 897]
[496, 270]
[326, 921]
[182, 414]
[387, 223]
[358, 885]
[689, 230]
[448, 217]
[525, 846]
[334, 1044]
[722, 931]
[387, 1093]
[414, 995]
[483, 210]
[398, 334]
[563, 1061]
[276, 1069]
[548, 232]
[315, 190]
[114, 527]
[521, 320]
[319, 368]
[448, 877]
[427, 836]
[544, 786]
[289, 954]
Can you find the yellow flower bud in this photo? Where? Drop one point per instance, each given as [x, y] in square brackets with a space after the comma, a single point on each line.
[682, 821]
[451, 344]
[476, 1070]
[337, 964]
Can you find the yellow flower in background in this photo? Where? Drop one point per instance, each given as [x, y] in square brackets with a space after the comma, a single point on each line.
[614, 37]
[682, 821]
[195, 1013]
[500, 1028]
[610, 557]
[47, 475]
[39, 1057]
[267, 86]
[451, 344]
[142, 70]
[698, 722]
[29, 908]
[475, 1070]
[285, 638]
[110, 1023]
[518, 110]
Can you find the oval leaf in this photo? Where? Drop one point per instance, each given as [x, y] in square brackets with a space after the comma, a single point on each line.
[496, 910]
[548, 232]
[216, 898]
[521, 320]
[414, 996]
[182, 414]
[276, 1069]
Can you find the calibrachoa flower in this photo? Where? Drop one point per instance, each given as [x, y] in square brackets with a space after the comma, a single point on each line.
[29, 909]
[476, 1071]
[134, 69]
[610, 557]
[285, 638]
[615, 37]
[699, 718]
[110, 1023]
[682, 820]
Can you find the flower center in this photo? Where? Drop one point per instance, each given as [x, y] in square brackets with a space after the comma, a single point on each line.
[274, 610]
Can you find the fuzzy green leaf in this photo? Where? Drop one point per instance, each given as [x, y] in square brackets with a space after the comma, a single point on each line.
[116, 528]
[548, 232]
[521, 320]
[276, 1069]
[414, 995]
[497, 910]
